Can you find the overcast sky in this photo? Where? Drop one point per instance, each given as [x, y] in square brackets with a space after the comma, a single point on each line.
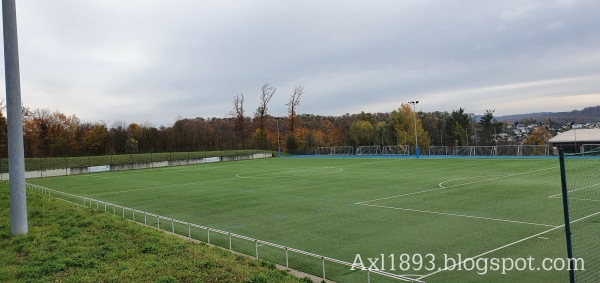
[154, 61]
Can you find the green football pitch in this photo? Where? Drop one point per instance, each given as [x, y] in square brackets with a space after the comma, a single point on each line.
[414, 217]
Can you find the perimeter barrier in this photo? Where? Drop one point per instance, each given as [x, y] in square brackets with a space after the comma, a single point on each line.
[63, 166]
[500, 150]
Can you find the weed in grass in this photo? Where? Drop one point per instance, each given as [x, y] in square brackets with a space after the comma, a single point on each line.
[82, 261]
[149, 248]
[241, 258]
[167, 279]
[207, 263]
[68, 232]
[258, 279]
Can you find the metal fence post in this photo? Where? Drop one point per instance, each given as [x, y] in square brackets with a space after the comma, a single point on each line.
[208, 235]
[256, 242]
[230, 241]
[287, 262]
[172, 226]
[189, 230]
[145, 222]
[158, 222]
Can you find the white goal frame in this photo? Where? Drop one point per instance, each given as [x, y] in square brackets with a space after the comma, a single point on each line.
[368, 150]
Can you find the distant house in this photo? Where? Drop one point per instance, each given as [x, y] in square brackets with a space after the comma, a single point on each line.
[576, 140]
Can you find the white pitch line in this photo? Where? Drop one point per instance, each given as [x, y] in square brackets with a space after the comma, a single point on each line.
[491, 179]
[274, 175]
[441, 187]
[460, 215]
[570, 191]
[571, 198]
[506, 246]
[402, 195]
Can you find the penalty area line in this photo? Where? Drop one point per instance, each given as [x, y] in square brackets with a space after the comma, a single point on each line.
[459, 215]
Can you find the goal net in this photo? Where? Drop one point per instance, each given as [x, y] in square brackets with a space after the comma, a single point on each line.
[368, 150]
[582, 192]
[438, 150]
[534, 150]
[334, 150]
[591, 147]
[342, 150]
[395, 149]
[462, 150]
[323, 150]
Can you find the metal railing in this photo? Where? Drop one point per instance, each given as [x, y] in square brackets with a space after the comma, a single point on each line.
[500, 150]
[185, 229]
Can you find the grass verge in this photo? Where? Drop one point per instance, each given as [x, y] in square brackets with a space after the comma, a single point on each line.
[67, 243]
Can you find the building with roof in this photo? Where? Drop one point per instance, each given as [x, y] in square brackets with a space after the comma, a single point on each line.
[576, 140]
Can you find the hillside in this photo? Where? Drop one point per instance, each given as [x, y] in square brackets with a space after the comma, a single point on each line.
[588, 114]
[68, 243]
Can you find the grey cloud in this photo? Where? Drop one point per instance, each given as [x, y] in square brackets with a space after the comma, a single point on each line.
[156, 60]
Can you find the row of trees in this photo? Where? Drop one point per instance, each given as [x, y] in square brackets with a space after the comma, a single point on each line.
[48, 133]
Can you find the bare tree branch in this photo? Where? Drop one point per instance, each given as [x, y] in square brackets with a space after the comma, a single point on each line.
[293, 104]
[240, 119]
[261, 112]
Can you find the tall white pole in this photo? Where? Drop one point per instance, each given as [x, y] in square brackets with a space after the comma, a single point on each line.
[16, 156]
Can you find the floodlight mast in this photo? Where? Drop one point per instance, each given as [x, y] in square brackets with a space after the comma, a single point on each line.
[16, 157]
[414, 104]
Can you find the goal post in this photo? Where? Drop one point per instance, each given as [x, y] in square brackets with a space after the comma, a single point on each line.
[334, 150]
[368, 150]
[438, 150]
[395, 149]
[342, 150]
[323, 150]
